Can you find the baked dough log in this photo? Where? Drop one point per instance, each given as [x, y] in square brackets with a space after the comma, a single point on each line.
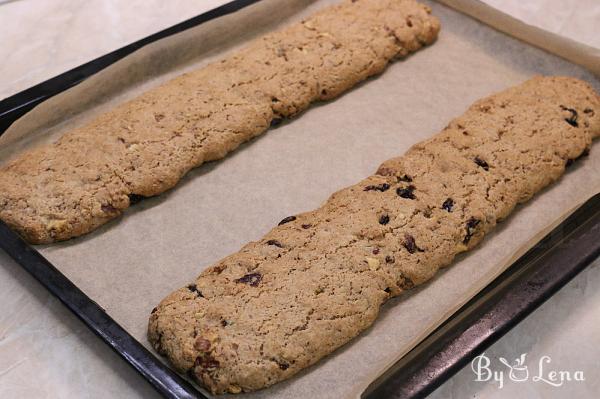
[145, 146]
[319, 278]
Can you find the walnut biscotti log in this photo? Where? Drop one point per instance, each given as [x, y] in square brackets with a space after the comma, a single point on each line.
[144, 147]
[318, 279]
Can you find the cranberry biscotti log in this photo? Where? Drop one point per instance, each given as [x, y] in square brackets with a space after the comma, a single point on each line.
[318, 279]
[144, 147]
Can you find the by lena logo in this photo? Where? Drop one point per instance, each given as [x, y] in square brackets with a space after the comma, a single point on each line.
[518, 371]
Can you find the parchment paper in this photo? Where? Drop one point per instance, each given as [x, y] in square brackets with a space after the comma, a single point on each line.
[575, 20]
[570, 43]
[129, 265]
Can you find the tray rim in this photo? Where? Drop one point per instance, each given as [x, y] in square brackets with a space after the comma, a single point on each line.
[517, 292]
[536, 276]
[424, 377]
[18, 104]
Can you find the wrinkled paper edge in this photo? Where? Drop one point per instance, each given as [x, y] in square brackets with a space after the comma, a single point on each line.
[569, 49]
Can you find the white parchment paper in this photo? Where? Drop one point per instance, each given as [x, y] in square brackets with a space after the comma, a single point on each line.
[129, 265]
[561, 29]
[577, 20]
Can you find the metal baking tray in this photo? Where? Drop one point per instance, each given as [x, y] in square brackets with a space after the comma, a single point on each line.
[517, 292]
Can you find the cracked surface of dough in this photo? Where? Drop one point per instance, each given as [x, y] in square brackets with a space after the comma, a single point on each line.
[145, 146]
[318, 279]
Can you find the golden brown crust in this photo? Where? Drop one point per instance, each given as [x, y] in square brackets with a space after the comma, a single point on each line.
[318, 279]
[144, 147]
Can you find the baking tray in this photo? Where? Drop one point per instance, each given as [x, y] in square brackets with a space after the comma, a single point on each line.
[531, 280]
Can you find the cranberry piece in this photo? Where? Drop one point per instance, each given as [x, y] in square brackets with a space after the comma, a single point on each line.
[471, 226]
[448, 204]
[572, 119]
[410, 244]
[287, 220]
[381, 187]
[252, 279]
[407, 192]
[480, 162]
[193, 288]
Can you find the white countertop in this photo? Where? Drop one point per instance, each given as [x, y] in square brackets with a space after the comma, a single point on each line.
[45, 352]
